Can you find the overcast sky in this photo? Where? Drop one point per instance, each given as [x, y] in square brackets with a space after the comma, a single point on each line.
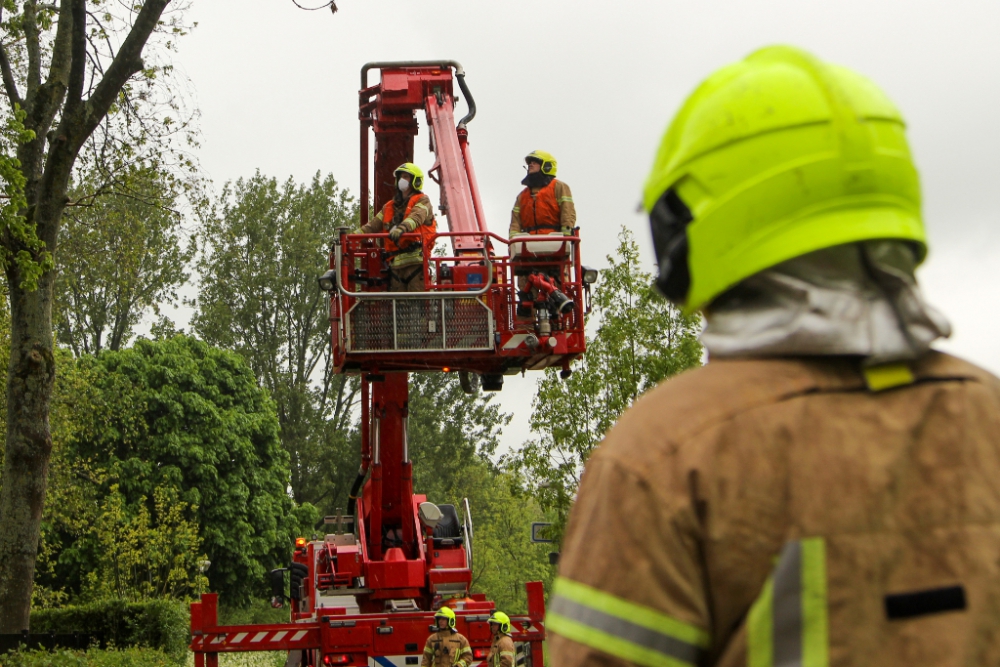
[595, 83]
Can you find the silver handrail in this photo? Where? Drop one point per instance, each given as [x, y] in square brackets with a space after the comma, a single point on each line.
[338, 261]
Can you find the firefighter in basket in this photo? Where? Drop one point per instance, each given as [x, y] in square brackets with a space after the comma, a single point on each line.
[408, 211]
[545, 206]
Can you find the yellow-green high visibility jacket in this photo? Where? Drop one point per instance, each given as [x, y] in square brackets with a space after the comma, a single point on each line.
[447, 648]
[779, 512]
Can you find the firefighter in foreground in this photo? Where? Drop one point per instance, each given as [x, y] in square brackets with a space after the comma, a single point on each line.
[408, 211]
[502, 649]
[545, 206]
[826, 491]
[446, 647]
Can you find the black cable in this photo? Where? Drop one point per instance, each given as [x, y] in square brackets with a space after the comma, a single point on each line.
[332, 4]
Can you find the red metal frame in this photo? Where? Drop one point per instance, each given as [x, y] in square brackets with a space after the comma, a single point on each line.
[370, 593]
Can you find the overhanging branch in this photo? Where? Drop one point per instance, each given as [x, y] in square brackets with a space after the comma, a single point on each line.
[126, 62]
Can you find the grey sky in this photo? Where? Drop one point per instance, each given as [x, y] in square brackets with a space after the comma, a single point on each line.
[595, 84]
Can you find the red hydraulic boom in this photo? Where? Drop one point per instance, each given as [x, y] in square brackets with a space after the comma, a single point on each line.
[365, 594]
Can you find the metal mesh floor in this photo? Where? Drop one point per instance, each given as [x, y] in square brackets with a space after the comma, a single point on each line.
[390, 325]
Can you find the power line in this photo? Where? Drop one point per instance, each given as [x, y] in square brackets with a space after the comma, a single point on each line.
[332, 5]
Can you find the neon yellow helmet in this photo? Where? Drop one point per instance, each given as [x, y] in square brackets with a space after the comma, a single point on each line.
[548, 161]
[417, 174]
[502, 619]
[772, 158]
[446, 612]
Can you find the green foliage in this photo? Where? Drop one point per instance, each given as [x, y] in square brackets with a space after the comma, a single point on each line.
[265, 244]
[31, 256]
[504, 558]
[128, 657]
[641, 339]
[149, 555]
[127, 255]
[156, 624]
[178, 424]
[450, 435]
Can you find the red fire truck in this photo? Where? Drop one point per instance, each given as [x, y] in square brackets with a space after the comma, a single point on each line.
[366, 593]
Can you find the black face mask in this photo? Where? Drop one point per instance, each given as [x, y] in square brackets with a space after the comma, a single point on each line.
[668, 221]
[536, 180]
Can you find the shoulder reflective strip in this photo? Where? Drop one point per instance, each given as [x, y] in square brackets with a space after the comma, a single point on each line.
[565, 199]
[428, 649]
[888, 376]
[787, 624]
[631, 612]
[517, 209]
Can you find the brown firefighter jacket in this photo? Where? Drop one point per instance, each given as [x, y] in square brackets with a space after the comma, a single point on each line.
[501, 652]
[777, 512]
[445, 648]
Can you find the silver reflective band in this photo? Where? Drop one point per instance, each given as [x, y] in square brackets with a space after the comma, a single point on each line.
[787, 628]
[636, 634]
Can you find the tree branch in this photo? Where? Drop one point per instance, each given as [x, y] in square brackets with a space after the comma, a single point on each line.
[31, 44]
[8, 75]
[77, 61]
[127, 62]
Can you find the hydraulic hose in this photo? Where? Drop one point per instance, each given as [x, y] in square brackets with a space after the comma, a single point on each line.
[460, 75]
[355, 488]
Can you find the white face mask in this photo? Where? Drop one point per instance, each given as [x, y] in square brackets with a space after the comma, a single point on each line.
[402, 184]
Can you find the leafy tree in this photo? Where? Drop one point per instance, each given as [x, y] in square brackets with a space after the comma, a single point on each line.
[451, 434]
[127, 256]
[151, 554]
[504, 558]
[264, 246]
[180, 417]
[641, 339]
[65, 79]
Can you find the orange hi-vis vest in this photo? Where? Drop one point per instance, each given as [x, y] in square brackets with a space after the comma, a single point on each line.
[539, 212]
[427, 231]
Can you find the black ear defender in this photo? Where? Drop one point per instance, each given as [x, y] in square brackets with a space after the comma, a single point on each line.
[668, 222]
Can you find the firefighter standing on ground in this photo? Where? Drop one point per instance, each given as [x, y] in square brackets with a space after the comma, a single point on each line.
[446, 647]
[502, 650]
[826, 491]
[408, 211]
[545, 206]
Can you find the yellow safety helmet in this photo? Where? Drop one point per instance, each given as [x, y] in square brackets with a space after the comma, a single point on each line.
[417, 174]
[547, 159]
[772, 158]
[502, 619]
[446, 612]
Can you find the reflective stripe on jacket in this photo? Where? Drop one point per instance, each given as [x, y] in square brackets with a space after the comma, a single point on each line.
[501, 652]
[447, 648]
[770, 512]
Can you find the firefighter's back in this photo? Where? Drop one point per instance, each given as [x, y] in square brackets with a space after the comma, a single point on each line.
[781, 508]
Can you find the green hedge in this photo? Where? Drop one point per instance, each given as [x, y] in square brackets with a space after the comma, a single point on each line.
[156, 624]
[131, 657]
